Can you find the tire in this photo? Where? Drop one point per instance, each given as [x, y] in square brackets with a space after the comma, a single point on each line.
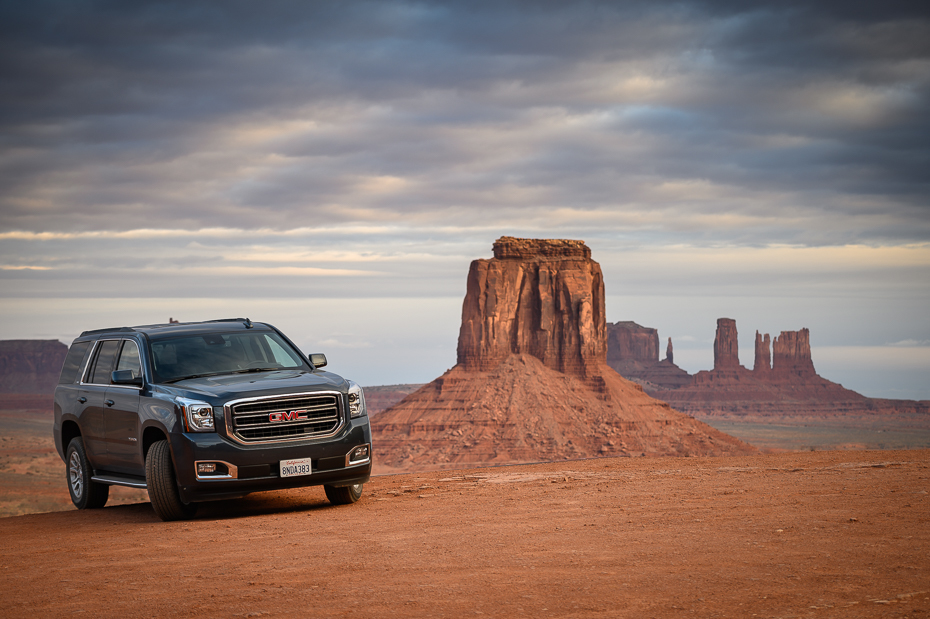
[345, 495]
[163, 485]
[85, 494]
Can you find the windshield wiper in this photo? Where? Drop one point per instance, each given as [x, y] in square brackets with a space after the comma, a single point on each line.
[245, 371]
[180, 378]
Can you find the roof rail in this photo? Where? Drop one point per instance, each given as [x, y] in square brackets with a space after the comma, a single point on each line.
[110, 330]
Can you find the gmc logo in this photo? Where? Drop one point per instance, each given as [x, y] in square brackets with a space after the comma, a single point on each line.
[287, 415]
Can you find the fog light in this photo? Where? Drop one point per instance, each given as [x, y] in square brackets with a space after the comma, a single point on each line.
[206, 467]
[359, 453]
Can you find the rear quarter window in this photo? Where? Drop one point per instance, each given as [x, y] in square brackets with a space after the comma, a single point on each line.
[73, 363]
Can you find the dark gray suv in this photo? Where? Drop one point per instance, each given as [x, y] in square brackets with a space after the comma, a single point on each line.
[209, 410]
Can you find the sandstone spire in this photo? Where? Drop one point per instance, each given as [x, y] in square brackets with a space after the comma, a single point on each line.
[726, 345]
[763, 362]
[669, 355]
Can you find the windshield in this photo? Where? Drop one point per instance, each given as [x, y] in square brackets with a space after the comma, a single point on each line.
[222, 353]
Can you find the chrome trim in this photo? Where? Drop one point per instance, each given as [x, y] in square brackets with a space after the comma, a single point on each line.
[358, 462]
[112, 386]
[119, 481]
[231, 433]
[93, 351]
[233, 471]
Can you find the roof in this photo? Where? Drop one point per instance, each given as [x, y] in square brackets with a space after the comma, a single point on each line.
[223, 325]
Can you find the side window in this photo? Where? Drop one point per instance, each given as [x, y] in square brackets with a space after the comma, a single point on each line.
[103, 364]
[73, 362]
[129, 358]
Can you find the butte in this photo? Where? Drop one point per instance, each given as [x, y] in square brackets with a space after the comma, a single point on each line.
[532, 382]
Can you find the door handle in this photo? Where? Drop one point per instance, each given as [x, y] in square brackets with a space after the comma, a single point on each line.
[82, 399]
[109, 402]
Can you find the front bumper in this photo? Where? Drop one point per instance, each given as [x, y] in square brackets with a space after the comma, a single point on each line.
[244, 469]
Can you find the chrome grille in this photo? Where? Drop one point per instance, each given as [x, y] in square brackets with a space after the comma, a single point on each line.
[285, 418]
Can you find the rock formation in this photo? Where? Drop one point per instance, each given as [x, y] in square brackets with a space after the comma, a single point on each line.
[633, 351]
[544, 298]
[784, 386]
[791, 355]
[726, 345]
[628, 341]
[631, 348]
[531, 382]
[763, 362]
[30, 366]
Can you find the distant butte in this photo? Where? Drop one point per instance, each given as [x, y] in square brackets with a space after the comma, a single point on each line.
[532, 381]
[30, 366]
[633, 351]
[783, 384]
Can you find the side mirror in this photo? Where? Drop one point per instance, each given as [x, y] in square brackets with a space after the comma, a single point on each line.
[125, 377]
[318, 359]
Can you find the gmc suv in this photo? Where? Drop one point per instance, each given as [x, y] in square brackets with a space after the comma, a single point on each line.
[201, 411]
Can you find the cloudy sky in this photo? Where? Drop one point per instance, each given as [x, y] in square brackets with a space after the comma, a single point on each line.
[333, 168]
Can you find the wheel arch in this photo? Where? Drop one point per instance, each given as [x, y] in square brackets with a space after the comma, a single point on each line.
[151, 435]
[70, 430]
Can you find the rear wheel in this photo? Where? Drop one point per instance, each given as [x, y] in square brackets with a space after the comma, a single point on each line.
[85, 494]
[344, 495]
[163, 485]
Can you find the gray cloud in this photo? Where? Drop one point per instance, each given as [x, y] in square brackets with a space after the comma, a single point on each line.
[115, 111]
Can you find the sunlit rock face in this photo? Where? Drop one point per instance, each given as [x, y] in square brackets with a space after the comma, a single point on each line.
[540, 297]
[532, 382]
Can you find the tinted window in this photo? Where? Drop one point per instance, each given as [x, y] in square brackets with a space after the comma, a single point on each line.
[69, 372]
[104, 363]
[129, 358]
[222, 353]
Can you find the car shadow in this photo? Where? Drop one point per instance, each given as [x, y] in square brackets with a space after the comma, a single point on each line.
[258, 504]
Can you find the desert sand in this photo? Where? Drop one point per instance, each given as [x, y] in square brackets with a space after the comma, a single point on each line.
[804, 534]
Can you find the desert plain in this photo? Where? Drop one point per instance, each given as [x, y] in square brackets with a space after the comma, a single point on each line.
[793, 534]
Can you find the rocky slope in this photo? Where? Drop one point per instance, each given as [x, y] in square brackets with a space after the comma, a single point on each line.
[30, 366]
[532, 381]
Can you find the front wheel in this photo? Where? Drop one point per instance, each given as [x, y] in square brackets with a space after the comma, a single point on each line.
[85, 494]
[163, 485]
[344, 495]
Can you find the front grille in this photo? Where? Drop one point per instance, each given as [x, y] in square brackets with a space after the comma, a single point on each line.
[287, 418]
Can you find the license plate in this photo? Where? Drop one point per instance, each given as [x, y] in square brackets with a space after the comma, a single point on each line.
[293, 468]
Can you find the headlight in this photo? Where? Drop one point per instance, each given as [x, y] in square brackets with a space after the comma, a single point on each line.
[356, 401]
[198, 416]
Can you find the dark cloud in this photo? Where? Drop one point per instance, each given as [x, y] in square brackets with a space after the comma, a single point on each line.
[183, 114]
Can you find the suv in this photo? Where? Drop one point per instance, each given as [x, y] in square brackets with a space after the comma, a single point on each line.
[201, 411]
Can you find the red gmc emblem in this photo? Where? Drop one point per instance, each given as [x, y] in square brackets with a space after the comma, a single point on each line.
[287, 415]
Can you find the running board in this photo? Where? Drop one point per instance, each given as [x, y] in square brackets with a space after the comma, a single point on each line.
[120, 480]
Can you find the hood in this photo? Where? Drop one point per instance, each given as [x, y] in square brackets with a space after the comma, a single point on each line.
[233, 386]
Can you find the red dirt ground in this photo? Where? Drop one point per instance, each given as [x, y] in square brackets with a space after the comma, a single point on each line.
[815, 534]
